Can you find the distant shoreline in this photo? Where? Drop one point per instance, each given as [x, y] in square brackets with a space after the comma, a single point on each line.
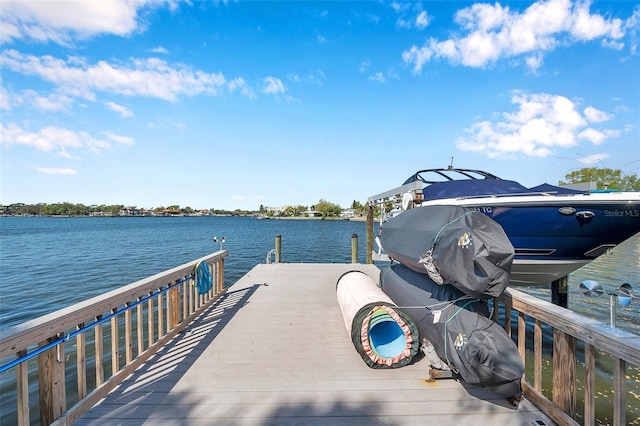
[352, 219]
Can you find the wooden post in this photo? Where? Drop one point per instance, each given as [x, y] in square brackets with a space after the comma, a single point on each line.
[590, 385]
[522, 339]
[22, 380]
[115, 350]
[354, 248]
[619, 393]
[369, 234]
[150, 323]
[140, 325]
[52, 391]
[160, 315]
[564, 372]
[128, 342]
[560, 292]
[537, 355]
[81, 370]
[278, 247]
[98, 342]
[175, 310]
[220, 276]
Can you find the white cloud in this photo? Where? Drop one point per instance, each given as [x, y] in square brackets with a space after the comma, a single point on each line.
[53, 102]
[160, 49]
[541, 123]
[241, 85]
[593, 159]
[5, 102]
[120, 109]
[422, 20]
[364, 66]
[598, 137]
[379, 77]
[56, 140]
[47, 21]
[375, 19]
[491, 32]
[273, 86]
[56, 171]
[315, 78]
[122, 140]
[150, 77]
[596, 116]
[321, 39]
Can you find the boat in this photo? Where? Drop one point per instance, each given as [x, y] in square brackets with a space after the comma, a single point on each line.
[554, 230]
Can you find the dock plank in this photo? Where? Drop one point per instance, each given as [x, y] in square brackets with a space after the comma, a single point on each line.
[274, 350]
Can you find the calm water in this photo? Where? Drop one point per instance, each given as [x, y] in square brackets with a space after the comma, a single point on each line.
[49, 263]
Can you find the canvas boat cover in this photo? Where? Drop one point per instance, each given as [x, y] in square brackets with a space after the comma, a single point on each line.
[452, 245]
[471, 344]
[383, 335]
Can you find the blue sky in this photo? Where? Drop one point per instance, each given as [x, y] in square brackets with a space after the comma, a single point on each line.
[213, 104]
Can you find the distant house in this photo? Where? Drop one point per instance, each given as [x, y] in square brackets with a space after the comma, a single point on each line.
[130, 211]
[348, 214]
[274, 211]
[311, 213]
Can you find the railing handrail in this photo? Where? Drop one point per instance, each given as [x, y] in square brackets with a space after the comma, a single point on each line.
[568, 328]
[583, 328]
[22, 336]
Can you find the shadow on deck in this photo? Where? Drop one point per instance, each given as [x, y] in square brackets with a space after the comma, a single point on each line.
[275, 351]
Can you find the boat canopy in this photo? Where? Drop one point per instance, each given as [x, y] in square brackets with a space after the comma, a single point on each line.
[456, 183]
[471, 188]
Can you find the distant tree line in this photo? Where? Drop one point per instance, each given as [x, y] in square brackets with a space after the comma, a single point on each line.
[604, 178]
[323, 208]
[71, 209]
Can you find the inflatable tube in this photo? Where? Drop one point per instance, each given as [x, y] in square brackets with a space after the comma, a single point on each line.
[203, 278]
[383, 335]
[471, 344]
[453, 246]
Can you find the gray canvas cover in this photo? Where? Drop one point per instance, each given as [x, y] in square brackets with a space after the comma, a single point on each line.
[476, 347]
[454, 246]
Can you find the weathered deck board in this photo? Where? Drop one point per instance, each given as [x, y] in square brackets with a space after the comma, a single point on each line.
[274, 350]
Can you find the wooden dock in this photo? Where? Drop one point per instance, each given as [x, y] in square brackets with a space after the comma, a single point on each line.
[274, 350]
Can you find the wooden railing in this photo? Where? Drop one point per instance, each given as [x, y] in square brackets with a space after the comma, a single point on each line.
[99, 341]
[575, 340]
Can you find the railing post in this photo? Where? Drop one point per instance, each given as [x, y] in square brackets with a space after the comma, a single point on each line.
[619, 393]
[98, 344]
[354, 248]
[175, 306]
[278, 247]
[128, 345]
[140, 326]
[589, 385]
[52, 384]
[22, 381]
[220, 276]
[564, 372]
[115, 347]
[81, 369]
